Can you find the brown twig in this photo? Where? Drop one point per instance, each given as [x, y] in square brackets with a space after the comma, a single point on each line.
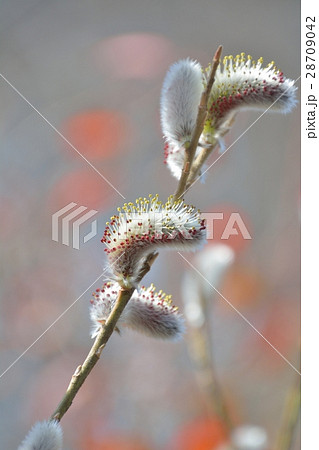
[190, 150]
[200, 350]
[92, 358]
[82, 371]
[206, 376]
[198, 163]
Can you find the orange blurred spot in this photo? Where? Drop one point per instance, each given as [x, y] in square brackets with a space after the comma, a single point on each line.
[282, 327]
[135, 56]
[242, 286]
[96, 134]
[84, 187]
[202, 434]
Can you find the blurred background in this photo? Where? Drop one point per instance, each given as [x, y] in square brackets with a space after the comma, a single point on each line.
[94, 70]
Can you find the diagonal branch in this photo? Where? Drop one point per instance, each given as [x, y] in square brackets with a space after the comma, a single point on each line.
[92, 358]
[82, 371]
[201, 353]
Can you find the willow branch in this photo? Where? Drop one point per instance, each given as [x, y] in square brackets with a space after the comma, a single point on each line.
[198, 163]
[190, 149]
[92, 358]
[82, 371]
[200, 350]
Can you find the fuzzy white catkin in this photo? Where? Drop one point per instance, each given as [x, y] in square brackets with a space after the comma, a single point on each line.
[181, 93]
[141, 228]
[175, 162]
[154, 321]
[45, 435]
[241, 83]
[148, 311]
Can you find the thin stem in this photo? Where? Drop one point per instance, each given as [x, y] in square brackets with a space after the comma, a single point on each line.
[290, 416]
[190, 149]
[92, 358]
[206, 377]
[200, 349]
[82, 371]
[198, 163]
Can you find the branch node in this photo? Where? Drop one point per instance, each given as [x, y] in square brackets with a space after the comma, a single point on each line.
[186, 167]
[56, 417]
[77, 371]
[99, 350]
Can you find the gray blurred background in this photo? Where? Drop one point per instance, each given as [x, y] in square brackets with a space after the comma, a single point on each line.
[94, 70]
